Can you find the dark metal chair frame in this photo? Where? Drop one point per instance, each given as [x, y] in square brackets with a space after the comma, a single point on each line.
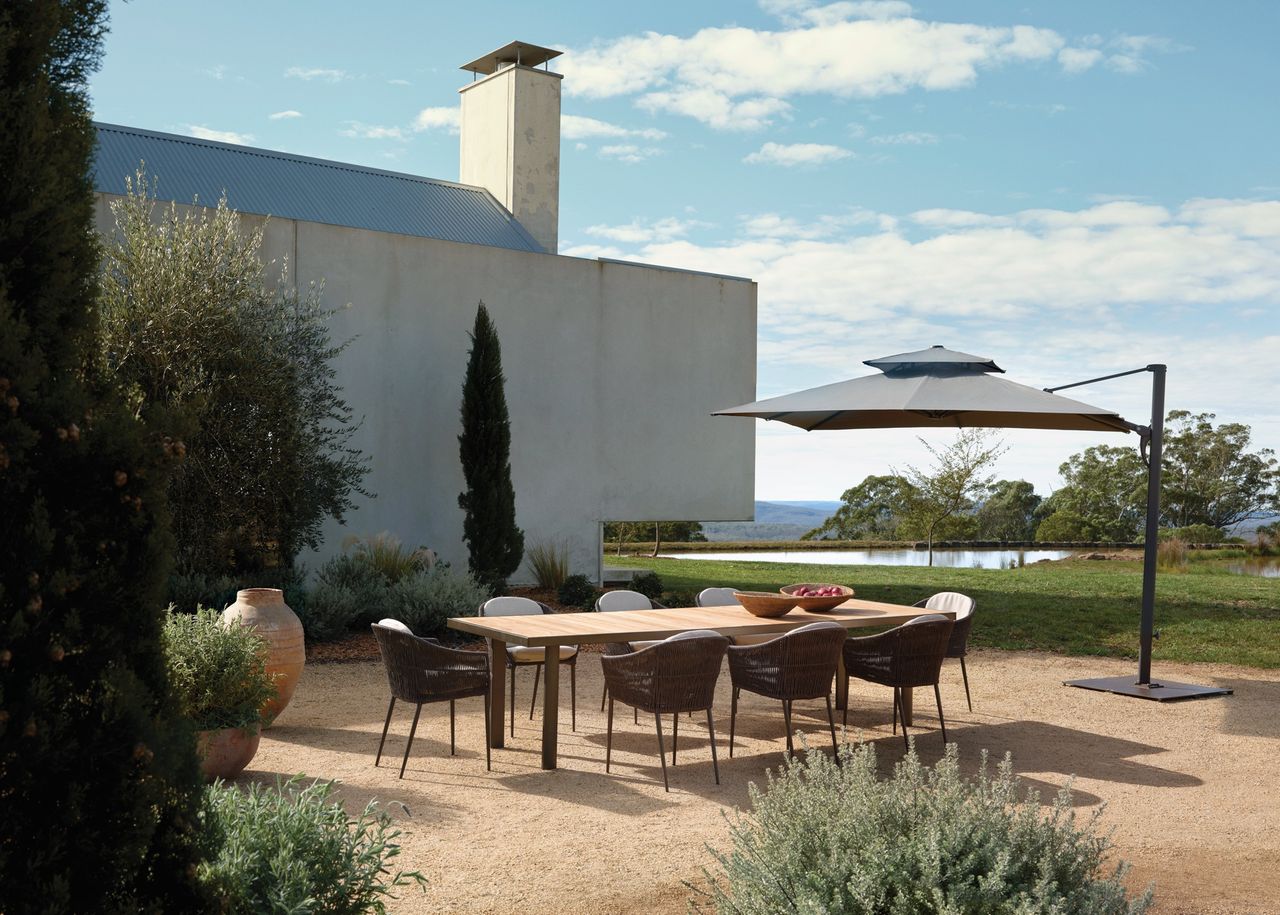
[421, 671]
[610, 648]
[904, 658]
[800, 664]
[958, 647]
[571, 662]
[674, 676]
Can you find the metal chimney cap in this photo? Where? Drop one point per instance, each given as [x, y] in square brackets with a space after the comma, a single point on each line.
[518, 52]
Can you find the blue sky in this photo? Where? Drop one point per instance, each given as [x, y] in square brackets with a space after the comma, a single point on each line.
[1071, 189]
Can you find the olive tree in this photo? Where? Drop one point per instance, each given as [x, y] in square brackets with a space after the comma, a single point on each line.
[953, 484]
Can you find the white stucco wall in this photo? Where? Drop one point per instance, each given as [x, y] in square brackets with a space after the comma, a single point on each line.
[612, 371]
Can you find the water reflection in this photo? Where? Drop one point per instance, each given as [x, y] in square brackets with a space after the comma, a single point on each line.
[1263, 566]
[951, 559]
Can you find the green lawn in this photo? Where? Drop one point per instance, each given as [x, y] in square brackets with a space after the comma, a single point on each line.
[1080, 607]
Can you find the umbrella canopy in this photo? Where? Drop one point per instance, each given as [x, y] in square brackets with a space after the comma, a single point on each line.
[935, 387]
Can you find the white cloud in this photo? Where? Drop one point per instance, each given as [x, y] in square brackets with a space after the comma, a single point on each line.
[320, 73]
[437, 119]
[284, 115]
[638, 232]
[577, 127]
[399, 82]
[795, 12]
[1251, 218]
[793, 154]
[217, 72]
[911, 138]
[629, 152]
[371, 131]
[716, 109]
[1077, 60]
[222, 136]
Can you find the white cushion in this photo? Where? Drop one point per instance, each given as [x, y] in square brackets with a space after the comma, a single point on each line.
[816, 627]
[396, 625]
[510, 606]
[522, 654]
[694, 634]
[951, 602]
[717, 597]
[612, 601]
[927, 618]
[648, 643]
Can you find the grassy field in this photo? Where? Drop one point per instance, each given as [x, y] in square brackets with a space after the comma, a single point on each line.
[1084, 607]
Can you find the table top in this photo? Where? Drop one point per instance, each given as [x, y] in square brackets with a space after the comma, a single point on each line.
[634, 625]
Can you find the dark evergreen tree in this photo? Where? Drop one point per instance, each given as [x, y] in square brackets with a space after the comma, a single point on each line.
[98, 779]
[495, 544]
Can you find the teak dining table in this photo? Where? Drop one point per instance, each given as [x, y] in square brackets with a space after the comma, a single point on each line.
[555, 629]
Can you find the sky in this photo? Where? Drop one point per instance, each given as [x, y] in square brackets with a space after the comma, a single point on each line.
[1071, 189]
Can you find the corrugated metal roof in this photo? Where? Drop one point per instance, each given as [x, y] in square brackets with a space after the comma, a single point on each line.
[297, 187]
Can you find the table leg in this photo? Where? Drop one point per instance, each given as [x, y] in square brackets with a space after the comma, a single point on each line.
[497, 693]
[842, 684]
[551, 710]
[907, 693]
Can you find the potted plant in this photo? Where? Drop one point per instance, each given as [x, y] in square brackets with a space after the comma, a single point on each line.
[219, 675]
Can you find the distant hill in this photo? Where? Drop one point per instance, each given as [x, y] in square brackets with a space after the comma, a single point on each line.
[774, 521]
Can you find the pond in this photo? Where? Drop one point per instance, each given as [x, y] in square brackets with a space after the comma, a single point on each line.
[952, 559]
[1267, 567]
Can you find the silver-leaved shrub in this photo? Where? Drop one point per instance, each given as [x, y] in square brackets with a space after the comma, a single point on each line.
[828, 839]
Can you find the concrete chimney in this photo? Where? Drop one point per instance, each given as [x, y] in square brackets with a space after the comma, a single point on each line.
[511, 135]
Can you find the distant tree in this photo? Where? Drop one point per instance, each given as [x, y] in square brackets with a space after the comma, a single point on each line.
[953, 484]
[619, 532]
[1210, 475]
[872, 510]
[1065, 526]
[98, 778]
[495, 543]
[241, 371]
[1008, 511]
[1106, 487]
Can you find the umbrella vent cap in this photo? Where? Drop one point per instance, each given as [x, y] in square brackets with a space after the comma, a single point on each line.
[936, 360]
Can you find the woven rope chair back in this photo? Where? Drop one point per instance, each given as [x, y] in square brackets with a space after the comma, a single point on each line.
[915, 651]
[685, 672]
[511, 606]
[808, 657]
[423, 670]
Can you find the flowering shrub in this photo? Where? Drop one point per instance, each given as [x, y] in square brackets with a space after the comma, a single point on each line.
[827, 838]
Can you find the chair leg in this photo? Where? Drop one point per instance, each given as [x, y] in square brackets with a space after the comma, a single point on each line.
[733, 719]
[573, 695]
[451, 730]
[675, 735]
[608, 740]
[603, 696]
[831, 722]
[537, 675]
[413, 730]
[662, 752]
[786, 718]
[844, 722]
[942, 721]
[711, 731]
[513, 700]
[895, 712]
[385, 725]
[488, 760]
[965, 673]
[897, 700]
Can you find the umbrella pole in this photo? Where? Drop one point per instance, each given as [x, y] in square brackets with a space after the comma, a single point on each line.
[1143, 688]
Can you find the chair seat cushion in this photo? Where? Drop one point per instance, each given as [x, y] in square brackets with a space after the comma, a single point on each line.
[643, 644]
[522, 654]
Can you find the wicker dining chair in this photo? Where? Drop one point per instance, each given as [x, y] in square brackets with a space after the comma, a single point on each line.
[800, 664]
[524, 656]
[676, 675]
[962, 606]
[906, 657]
[620, 601]
[421, 670]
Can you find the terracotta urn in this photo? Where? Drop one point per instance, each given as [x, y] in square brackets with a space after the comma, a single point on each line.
[265, 610]
[224, 753]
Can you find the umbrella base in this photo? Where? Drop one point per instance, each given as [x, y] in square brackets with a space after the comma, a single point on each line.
[1165, 691]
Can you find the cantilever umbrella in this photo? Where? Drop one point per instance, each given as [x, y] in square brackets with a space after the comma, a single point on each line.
[942, 388]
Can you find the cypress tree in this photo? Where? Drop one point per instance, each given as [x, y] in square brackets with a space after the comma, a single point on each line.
[98, 778]
[495, 544]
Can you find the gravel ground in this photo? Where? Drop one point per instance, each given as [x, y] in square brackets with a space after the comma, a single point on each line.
[1190, 787]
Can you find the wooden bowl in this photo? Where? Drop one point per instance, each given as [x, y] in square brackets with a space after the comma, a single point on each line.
[818, 604]
[765, 603]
